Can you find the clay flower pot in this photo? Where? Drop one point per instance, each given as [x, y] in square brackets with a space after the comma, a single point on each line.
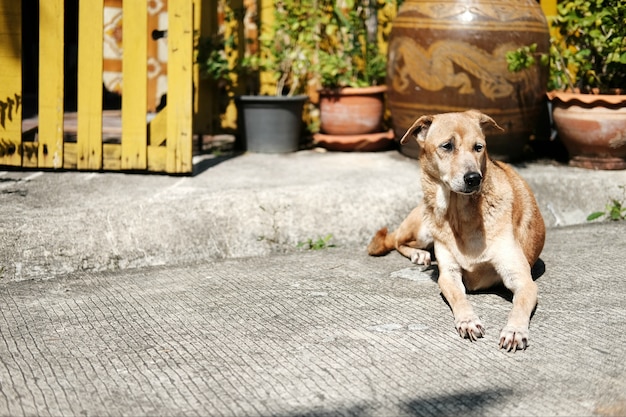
[352, 111]
[592, 127]
[352, 119]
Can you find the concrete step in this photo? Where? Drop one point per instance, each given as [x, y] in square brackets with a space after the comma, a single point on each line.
[56, 223]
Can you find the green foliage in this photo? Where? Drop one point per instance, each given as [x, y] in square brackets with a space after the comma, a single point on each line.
[325, 42]
[614, 210]
[212, 60]
[590, 51]
[594, 43]
[521, 58]
[288, 50]
[211, 51]
[285, 51]
[348, 53]
[320, 243]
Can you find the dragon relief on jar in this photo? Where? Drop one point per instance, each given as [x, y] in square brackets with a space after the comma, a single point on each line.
[453, 64]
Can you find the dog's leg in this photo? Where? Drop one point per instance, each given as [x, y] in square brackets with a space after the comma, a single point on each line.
[516, 276]
[514, 335]
[450, 281]
[417, 256]
[413, 237]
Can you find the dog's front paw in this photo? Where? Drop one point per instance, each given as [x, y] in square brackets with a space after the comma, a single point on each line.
[514, 338]
[469, 327]
[420, 257]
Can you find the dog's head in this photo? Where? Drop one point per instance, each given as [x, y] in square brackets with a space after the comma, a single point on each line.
[453, 148]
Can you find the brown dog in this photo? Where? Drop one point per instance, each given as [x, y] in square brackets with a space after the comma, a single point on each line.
[481, 217]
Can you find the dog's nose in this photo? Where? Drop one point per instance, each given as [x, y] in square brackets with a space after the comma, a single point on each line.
[472, 179]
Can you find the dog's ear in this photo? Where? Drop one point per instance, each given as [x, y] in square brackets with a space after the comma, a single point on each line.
[484, 120]
[419, 129]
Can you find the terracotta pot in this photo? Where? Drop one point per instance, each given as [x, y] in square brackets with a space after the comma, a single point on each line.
[449, 55]
[365, 142]
[352, 111]
[592, 127]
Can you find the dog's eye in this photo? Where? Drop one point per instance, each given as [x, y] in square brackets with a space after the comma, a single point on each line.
[447, 146]
[479, 147]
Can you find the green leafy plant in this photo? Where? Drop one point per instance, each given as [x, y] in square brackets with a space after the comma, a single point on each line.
[331, 43]
[320, 243]
[284, 51]
[287, 50]
[348, 54]
[614, 210]
[524, 57]
[212, 60]
[211, 51]
[589, 53]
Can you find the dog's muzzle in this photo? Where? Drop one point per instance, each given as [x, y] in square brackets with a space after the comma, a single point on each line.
[472, 182]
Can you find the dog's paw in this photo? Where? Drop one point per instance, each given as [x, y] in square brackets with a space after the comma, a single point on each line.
[420, 257]
[469, 327]
[514, 338]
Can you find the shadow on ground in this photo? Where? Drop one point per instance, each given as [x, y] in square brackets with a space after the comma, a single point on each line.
[466, 403]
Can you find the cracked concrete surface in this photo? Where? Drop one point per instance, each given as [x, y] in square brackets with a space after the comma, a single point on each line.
[152, 295]
[330, 332]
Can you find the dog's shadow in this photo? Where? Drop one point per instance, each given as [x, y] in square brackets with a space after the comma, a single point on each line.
[537, 270]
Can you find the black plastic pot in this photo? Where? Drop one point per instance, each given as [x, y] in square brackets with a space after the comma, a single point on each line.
[271, 124]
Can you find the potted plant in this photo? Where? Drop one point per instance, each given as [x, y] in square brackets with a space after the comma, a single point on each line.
[587, 80]
[351, 70]
[269, 123]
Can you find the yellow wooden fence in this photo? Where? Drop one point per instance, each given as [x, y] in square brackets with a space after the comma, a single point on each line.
[162, 145]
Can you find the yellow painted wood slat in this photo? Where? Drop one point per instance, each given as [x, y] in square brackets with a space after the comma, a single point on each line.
[157, 150]
[51, 76]
[11, 85]
[200, 97]
[158, 128]
[179, 88]
[135, 87]
[29, 155]
[112, 156]
[157, 156]
[89, 130]
[69, 155]
[10, 7]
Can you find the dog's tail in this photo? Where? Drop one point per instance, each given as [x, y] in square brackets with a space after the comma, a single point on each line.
[382, 243]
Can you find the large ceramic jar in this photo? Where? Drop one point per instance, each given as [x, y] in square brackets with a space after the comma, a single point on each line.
[449, 55]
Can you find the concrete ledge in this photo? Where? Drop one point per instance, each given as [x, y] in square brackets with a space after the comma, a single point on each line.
[251, 205]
